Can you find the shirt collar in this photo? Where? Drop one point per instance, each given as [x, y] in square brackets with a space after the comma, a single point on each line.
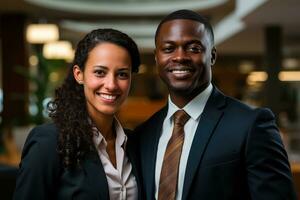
[121, 137]
[195, 107]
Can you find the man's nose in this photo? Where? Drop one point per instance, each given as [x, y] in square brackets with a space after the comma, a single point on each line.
[181, 56]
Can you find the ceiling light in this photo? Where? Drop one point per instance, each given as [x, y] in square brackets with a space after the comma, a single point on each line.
[58, 50]
[42, 33]
[246, 67]
[289, 76]
[257, 76]
[290, 63]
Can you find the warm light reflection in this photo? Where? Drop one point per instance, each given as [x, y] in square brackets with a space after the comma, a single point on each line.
[289, 76]
[290, 63]
[54, 77]
[58, 50]
[42, 33]
[33, 60]
[260, 76]
[256, 76]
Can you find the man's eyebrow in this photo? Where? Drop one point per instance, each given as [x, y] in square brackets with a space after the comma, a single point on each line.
[195, 41]
[168, 41]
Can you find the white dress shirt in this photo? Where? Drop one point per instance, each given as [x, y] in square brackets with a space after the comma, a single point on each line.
[121, 182]
[194, 109]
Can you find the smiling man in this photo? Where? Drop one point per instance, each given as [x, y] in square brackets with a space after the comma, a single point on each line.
[203, 144]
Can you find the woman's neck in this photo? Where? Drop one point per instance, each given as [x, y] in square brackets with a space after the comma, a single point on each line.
[104, 124]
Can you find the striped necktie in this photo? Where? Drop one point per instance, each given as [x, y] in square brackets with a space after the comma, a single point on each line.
[169, 172]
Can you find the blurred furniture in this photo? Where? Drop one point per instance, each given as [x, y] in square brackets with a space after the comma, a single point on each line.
[8, 175]
[296, 177]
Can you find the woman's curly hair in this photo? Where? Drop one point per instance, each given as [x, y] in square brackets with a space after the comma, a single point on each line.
[68, 109]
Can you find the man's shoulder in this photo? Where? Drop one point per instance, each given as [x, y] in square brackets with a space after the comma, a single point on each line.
[154, 119]
[239, 107]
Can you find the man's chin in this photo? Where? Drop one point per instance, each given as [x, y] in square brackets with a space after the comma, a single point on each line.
[180, 90]
[187, 91]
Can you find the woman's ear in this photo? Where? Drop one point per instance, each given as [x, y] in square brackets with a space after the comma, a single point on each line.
[78, 74]
[213, 56]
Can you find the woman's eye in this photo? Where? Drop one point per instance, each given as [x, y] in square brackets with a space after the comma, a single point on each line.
[123, 75]
[99, 72]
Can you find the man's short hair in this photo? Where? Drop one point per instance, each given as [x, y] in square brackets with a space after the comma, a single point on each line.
[187, 14]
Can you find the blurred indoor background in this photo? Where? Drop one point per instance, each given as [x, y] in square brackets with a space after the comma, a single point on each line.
[258, 44]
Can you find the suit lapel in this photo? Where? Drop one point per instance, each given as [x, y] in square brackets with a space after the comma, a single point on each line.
[210, 117]
[96, 175]
[131, 152]
[149, 144]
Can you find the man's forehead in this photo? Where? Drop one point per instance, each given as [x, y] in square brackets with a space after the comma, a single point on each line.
[181, 26]
[182, 22]
[184, 14]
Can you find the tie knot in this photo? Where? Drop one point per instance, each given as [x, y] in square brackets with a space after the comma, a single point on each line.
[180, 118]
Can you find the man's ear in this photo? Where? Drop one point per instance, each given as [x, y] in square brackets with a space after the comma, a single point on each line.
[213, 56]
[78, 74]
[155, 55]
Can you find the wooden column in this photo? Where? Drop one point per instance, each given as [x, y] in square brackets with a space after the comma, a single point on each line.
[273, 60]
[14, 53]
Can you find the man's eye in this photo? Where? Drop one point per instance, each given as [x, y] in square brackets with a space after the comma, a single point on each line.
[195, 49]
[167, 49]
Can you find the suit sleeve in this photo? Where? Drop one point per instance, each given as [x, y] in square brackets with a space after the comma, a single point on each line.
[39, 167]
[268, 170]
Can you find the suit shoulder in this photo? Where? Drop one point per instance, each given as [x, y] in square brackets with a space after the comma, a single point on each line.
[40, 165]
[43, 132]
[42, 140]
[237, 106]
[151, 121]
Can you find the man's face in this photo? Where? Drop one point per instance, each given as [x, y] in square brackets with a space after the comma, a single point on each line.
[184, 55]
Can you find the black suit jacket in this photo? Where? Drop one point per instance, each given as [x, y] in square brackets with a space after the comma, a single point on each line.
[41, 175]
[237, 153]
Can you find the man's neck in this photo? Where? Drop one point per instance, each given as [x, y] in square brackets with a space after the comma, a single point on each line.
[180, 99]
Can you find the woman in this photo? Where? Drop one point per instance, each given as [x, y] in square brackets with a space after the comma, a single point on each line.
[85, 154]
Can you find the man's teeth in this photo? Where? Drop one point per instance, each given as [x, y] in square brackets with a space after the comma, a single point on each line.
[175, 71]
[108, 97]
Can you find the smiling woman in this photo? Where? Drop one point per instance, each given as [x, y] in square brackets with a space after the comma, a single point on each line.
[85, 128]
[106, 79]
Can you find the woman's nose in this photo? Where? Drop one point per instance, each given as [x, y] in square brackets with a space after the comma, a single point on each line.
[111, 83]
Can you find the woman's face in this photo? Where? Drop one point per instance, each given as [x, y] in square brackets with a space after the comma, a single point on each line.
[106, 78]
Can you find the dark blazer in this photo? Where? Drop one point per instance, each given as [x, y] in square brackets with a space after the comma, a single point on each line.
[237, 154]
[41, 175]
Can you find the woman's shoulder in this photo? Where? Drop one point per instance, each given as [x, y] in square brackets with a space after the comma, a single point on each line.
[44, 131]
[42, 138]
[40, 165]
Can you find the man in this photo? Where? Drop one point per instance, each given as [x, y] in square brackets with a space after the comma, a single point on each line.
[223, 149]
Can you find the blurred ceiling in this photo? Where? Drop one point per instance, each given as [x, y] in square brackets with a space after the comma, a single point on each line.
[239, 24]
